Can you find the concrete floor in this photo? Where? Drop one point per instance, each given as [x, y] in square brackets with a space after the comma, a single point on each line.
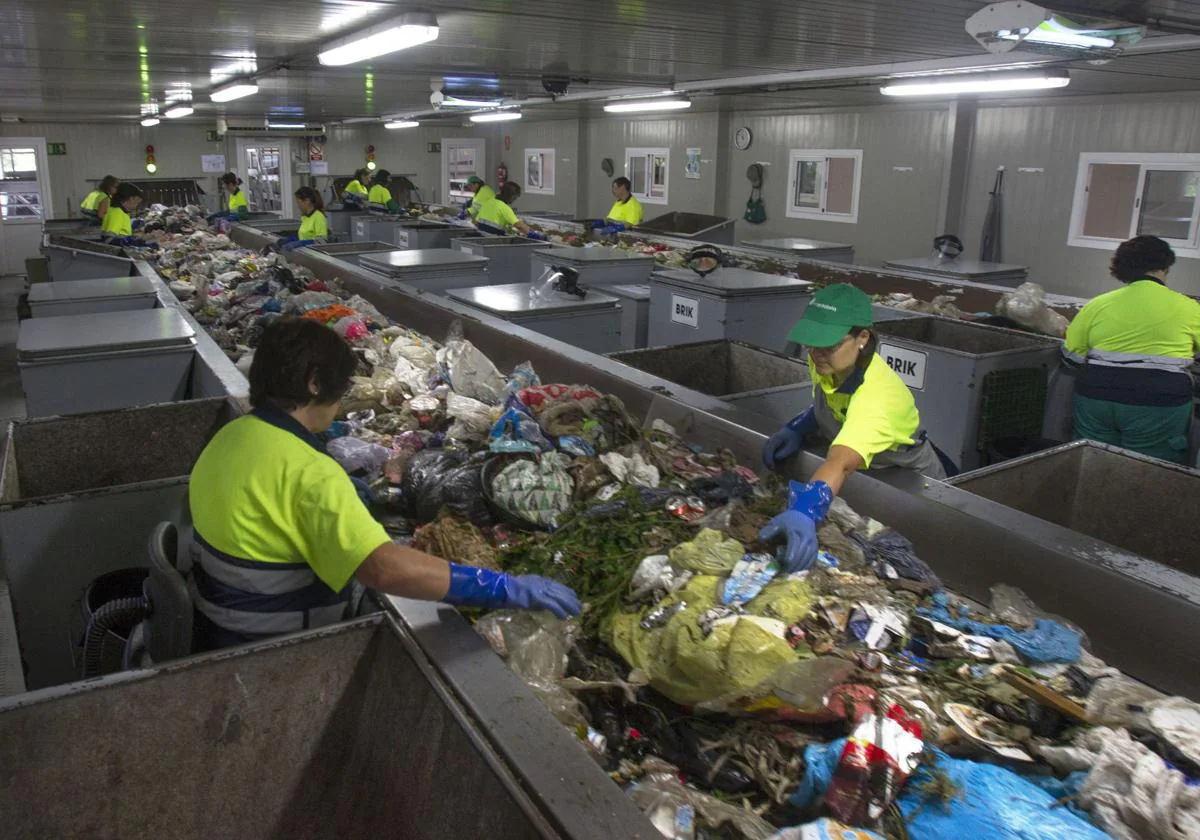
[12, 398]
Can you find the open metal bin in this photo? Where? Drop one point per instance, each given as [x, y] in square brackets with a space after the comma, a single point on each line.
[805, 249]
[80, 258]
[348, 731]
[508, 256]
[694, 226]
[416, 234]
[352, 252]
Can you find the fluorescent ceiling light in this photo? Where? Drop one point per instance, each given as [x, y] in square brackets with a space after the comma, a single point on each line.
[634, 106]
[236, 90]
[496, 116]
[287, 125]
[975, 83]
[401, 124]
[180, 111]
[460, 102]
[150, 121]
[399, 34]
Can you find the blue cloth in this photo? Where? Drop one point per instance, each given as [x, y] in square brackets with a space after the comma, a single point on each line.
[787, 441]
[1048, 641]
[471, 587]
[598, 224]
[538, 235]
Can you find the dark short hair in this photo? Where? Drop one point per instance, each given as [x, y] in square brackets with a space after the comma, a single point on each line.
[1135, 258]
[107, 183]
[294, 352]
[360, 174]
[313, 196]
[382, 177]
[510, 192]
[125, 191]
[230, 178]
[623, 182]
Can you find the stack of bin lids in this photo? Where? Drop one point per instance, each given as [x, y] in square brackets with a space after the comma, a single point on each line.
[108, 332]
[800, 247]
[583, 257]
[513, 299]
[960, 270]
[424, 262]
[733, 282]
[97, 289]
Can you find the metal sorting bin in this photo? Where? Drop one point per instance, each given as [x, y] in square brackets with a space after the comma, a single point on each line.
[734, 303]
[972, 384]
[1075, 486]
[697, 226]
[81, 225]
[509, 257]
[82, 297]
[276, 226]
[635, 313]
[348, 731]
[341, 219]
[433, 270]
[352, 252]
[750, 378]
[375, 227]
[420, 235]
[590, 323]
[81, 259]
[805, 249]
[76, 363]
[79, 497]
[958, 270]
[597, 266]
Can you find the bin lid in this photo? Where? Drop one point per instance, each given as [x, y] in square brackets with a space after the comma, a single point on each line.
[967, 269]
[105, 287]
[795, 243]
[733, 282]
[506, 241]
[592, 256]
[421, 260]
[633, 291]
[351, 249]
[77, 335]
[513, 299]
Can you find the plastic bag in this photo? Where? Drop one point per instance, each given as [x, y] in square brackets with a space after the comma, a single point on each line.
[878, 757]
[354, 455]
[1119, 701]
[1048, 641]
[523, 376]
[472, 418]
[1027, 306]
[437, 478]
[655, 574]
[661, 796]
[535, 491]
[634, 470]
[825, 829]
[517, 431]
[709, 553]
[414, 379]
[800, 689]
[471, 373]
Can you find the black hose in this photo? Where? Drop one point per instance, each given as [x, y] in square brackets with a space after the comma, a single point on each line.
[119, 617]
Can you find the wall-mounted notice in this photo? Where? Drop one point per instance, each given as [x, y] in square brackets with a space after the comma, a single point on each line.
[212, 163]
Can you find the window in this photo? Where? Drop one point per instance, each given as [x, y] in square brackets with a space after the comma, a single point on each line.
[1118, 196]
[20, 195]
[648, 170]
[539, 171]
[823, 184]
[460, 160]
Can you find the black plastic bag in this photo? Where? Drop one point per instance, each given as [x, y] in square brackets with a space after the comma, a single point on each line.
[438, 478]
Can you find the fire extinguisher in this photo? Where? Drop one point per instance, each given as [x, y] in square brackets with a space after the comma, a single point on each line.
[501, 175]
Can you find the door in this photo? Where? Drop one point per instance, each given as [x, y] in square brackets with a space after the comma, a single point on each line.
[265, 167]
[460, 160]
[24, 200]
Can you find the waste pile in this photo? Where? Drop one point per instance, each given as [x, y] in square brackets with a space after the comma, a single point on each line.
[858, 699]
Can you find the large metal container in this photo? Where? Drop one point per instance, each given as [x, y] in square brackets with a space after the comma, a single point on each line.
[635, 313]
[696, 226]
[430, 271]
[958, 270]
[83, 297]
[79, 497]
[972, 384]
[595, 266]
[509, 257]
[76, 261]
[751, 378]
[732, 303]
[79, 225]
[341, 220]
[352, 252]
[592, 322]
[1134, 504]
[419, 235]
[805, 249]
[348, 731]
[272, 223]
[77, 363]
[375, 227]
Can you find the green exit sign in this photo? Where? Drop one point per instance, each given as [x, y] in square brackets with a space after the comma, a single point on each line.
[433, 148]
[212, 136]
[56, 148]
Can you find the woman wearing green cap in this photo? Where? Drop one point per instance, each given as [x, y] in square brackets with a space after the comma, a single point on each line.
[859, 403]
[483, 194]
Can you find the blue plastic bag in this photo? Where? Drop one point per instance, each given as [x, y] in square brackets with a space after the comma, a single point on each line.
[1048, 641]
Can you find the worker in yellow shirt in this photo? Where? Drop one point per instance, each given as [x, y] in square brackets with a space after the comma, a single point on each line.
[280, 531]
[239, 206]
[314, 227]
[626, 211]
[95, 205]
[117, 222]
[859, 404]
[482, 195]
[1136, 345]
[497, 216]
[379, 196]
[356, 191]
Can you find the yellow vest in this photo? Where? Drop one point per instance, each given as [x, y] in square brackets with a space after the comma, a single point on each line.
[879, 416]
[379, 195]
[629, 211]
[1144, 318]
[116, 221]
[238, 201]
[498, 214]
[356, 188]
[313, 226]
[482, 196]
[93, 199]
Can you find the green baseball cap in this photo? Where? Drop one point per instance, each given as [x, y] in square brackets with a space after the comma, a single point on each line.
[830, 315]
[473, 180]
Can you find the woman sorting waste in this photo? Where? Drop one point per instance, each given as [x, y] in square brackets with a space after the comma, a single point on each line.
[1136, 345]
[497, 216]
[859, 403]
[356, 191]
[238, 206]
[314, 227]
[380, 197]
[280, 532]
[482, 195]
[95, 204]
[117, 223]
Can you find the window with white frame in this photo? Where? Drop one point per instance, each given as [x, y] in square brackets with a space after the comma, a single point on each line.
[823, 184]
[1119, 196]
[539, 171]
[647, 170]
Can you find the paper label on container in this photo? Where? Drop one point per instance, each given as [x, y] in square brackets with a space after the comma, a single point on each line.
[909, 364]
[685, 311]
[402, 238]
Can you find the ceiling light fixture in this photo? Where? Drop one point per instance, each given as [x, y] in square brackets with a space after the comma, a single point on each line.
[1002, 27]
[636, 106]
[401, 124]
[179, 111]
[460, 102]
[287, 125]
[496, 116]
[976, 83]
[400, 33]
[232, 91]
[151, 121]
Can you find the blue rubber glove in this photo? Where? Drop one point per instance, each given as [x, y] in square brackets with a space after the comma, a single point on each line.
[296, 244]
[462, 214]
[471, 587]
[363, 490]
[538, 235]
[137, 224]
[612, 230]
[598, 224]
[807, 506]
[787, 441]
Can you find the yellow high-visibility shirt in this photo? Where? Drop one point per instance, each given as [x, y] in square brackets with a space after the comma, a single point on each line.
[117, 222]
[238, 202]
[1144, 318]
[498, 214]
[355, 187]
[313, 226]
[379, 195]
[628, 212]
[482, 196]
[879, 416]
[93, 199]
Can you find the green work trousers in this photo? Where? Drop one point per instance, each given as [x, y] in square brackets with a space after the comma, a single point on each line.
[1154, 430]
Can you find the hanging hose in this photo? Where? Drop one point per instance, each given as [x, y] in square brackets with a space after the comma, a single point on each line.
[118, 617]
